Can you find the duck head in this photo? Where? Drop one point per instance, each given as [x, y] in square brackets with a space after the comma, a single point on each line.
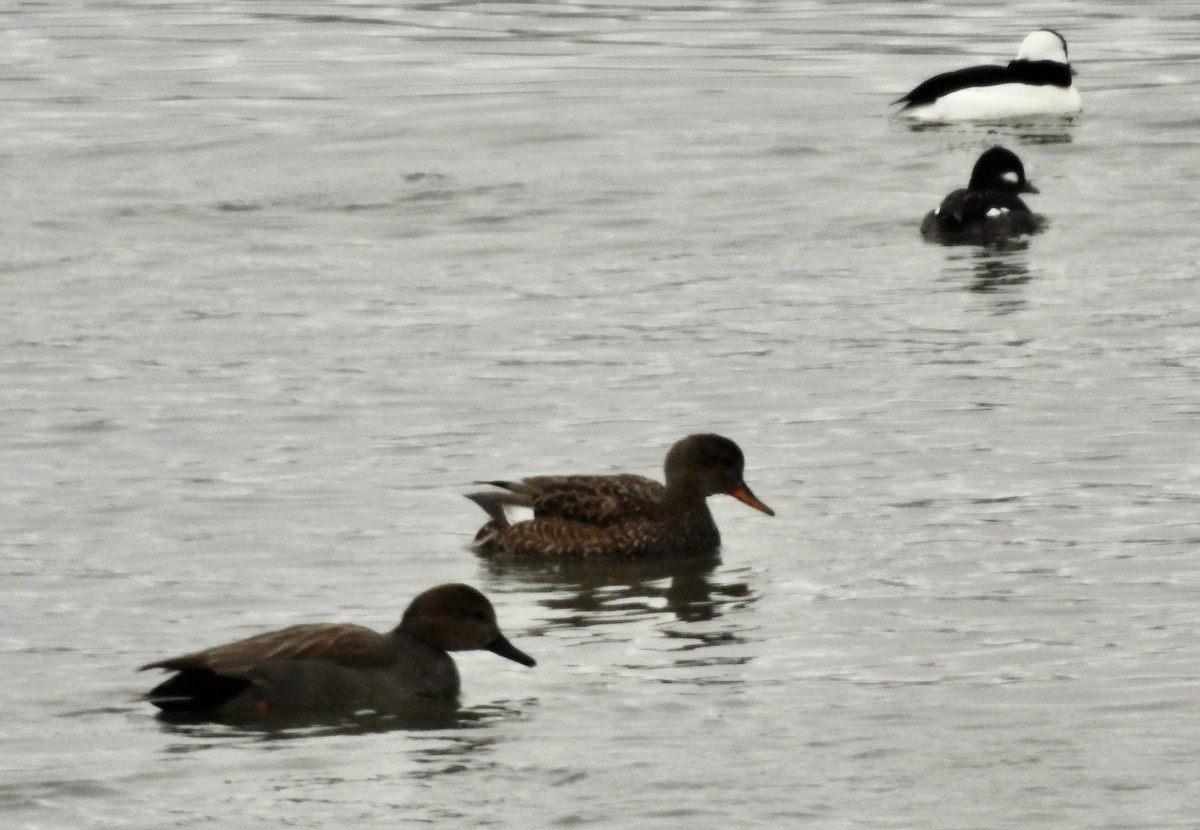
[1043, 45]
[1000, 169]
[711, 464]
[456, 617]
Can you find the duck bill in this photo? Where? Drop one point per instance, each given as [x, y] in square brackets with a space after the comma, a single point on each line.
[742, 493]
[504, 648]
[1029, 188]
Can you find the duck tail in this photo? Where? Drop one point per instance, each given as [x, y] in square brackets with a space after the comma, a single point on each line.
[494, 503]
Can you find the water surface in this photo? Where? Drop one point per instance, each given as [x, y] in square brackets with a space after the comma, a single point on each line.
[283, 279]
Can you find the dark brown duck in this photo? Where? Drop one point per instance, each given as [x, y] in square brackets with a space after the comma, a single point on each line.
[339, 666]
[620, 516]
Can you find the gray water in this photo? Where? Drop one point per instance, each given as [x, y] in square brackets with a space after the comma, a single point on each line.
[281, 279]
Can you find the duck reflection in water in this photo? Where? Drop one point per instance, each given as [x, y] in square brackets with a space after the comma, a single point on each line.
[590, 592]
[995, 270]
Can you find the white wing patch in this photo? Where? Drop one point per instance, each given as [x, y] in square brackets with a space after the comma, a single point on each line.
[996, 211]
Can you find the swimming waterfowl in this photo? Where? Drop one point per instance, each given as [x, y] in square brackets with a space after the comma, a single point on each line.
[989, 208]
[1038, 83]
[339, 666]
[620, 516]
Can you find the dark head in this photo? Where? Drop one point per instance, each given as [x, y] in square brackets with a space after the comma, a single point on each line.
[713, 464]
[456, 617]
[1000, 169]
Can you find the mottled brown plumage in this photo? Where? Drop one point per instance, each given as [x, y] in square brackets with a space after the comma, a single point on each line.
[327, 666]
[620, 516]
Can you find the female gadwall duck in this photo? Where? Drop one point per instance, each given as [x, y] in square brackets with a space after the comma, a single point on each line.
[620, 516]
[339, 666]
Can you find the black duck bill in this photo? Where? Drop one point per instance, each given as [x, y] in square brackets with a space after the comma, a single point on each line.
[504, 648]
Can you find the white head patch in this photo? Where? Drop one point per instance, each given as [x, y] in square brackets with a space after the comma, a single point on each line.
[1011, 176]
[1043, 45]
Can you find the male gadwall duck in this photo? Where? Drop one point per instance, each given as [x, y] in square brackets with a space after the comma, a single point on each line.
[620, 516]
[339, 666]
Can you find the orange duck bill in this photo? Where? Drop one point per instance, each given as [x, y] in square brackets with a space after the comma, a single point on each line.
[742, 493]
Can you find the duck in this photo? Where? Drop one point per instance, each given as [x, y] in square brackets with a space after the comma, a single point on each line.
[989, 209]
[1039, 82]
[623, 516]
[339, 666]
